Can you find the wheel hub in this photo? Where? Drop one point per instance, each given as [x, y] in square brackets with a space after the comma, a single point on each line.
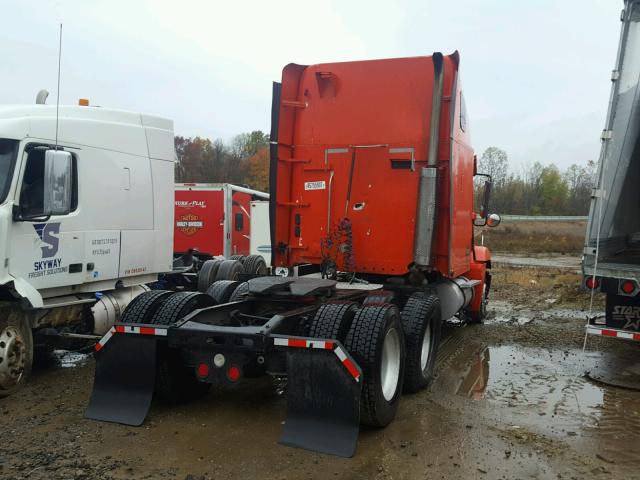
[13, 354]
[426, 347]
[390, 368]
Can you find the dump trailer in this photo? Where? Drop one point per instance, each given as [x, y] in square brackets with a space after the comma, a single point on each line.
[85, 222]
[611, 261]
[216, 219]
[371, 181]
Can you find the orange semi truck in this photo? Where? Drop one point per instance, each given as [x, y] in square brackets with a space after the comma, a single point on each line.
[371, 185]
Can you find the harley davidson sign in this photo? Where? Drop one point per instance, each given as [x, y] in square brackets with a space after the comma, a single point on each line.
[189, 223]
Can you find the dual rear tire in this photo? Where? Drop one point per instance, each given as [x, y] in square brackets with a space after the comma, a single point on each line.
[395, 349]
[175, 382]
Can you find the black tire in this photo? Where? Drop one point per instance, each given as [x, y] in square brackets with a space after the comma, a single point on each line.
[478, 317]
[240, 293]
[176, 382]
[255, 265]
[378, 298]
[142, 308]
[420, 314]
[365, 343]
[13, 327]
[178, 305]
[229, 270]
[208, 273]
[240, 258]
[333, 320]
[221, 290]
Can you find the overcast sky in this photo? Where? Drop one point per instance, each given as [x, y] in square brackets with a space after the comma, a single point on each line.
[536, 73]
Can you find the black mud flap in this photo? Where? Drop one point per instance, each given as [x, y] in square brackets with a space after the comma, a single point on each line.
[323, 403]
[124, 380]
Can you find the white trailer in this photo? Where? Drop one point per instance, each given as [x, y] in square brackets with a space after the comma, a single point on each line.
[611, 261]
[84, 224]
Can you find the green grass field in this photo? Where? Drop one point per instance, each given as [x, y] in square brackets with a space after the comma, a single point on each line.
[534, 237]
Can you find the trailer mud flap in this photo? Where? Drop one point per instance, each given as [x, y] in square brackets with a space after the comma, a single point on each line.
[323, 401]
[124, 380]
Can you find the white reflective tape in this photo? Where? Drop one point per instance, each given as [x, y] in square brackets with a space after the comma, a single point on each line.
[281, 342]
[162, 332]
[341, 355]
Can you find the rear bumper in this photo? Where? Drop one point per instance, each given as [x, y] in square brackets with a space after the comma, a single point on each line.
[612, 333]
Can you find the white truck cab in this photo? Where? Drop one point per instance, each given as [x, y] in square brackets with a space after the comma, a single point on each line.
[84, 224]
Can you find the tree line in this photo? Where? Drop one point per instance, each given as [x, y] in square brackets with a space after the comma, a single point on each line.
[242, 161]
[533, 190]
[536, 189]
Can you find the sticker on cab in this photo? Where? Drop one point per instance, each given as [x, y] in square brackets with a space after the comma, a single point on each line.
[320, 185]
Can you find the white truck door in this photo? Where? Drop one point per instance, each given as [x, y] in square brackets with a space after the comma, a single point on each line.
[260, 240]
[46, 252]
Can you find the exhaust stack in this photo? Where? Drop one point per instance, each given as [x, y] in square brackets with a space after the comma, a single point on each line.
[426, 215]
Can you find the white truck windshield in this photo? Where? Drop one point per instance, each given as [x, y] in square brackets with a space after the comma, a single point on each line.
[8, 153]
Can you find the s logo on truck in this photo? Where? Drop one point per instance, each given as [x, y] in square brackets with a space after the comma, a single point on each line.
[48, 233]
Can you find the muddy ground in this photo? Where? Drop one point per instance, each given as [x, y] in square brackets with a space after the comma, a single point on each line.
[510, 401]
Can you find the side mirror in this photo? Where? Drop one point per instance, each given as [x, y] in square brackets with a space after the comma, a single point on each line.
[486, 198]
[57, 182]
[493, 220]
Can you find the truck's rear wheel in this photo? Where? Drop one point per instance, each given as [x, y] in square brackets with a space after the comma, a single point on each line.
[16, 354]
[142, 308]
[229, 270]
[240, 258]
[377, 298]
[179, 305]
[176, 382]
[255, 265]
[333, 320]
[376, 342]
[221, 290]
[422, 328]
[208, 273]
[240, 293]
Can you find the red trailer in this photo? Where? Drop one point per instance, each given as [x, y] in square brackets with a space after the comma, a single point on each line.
[213, 218]
[372, 183]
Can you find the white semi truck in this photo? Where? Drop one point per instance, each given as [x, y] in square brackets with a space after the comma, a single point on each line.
[85, 221]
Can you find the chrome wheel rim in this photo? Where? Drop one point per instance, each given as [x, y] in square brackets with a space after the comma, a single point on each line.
[426, 347]
[390, 367]
[13, 357]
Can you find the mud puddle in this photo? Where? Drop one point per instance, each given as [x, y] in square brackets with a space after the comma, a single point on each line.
[505, 312]
[539, 391]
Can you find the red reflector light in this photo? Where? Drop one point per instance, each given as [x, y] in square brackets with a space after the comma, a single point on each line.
[233, 373]
[592, 283]
[203, 370]
[628, 287]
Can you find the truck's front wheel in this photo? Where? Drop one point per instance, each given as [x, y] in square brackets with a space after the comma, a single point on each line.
[16, 354]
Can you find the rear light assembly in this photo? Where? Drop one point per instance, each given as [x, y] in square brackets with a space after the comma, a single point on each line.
[592, 283]
[233, 373]
[203, 370]
[627, 287]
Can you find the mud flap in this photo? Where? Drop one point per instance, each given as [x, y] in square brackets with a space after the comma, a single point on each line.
[323, 403]
[124, 380]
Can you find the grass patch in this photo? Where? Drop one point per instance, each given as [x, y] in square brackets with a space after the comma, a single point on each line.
[532, 286]
[565, 238]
